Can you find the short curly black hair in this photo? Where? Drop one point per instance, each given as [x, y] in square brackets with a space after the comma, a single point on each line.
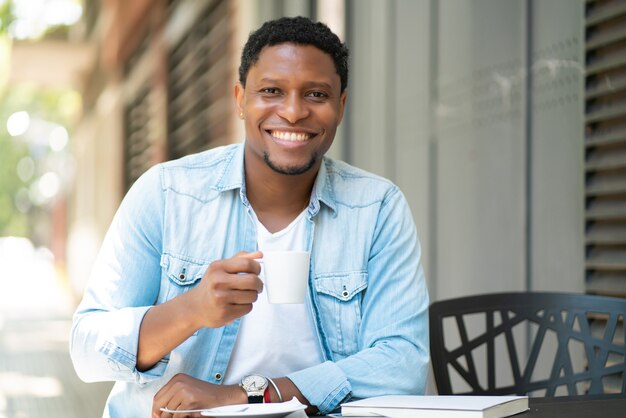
[298, 30]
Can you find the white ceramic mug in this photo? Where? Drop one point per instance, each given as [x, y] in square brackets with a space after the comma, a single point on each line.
[286, 275]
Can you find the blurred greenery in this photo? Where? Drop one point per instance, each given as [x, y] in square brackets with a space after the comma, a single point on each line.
[53, 105]
[57, 106]
[12, 222]
[5, 16]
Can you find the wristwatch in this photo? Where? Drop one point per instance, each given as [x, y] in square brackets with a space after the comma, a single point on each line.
[254, 385]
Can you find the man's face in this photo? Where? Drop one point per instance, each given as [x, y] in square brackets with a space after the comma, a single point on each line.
[292, 105]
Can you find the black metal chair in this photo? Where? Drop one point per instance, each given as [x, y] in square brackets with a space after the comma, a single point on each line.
[529, 343]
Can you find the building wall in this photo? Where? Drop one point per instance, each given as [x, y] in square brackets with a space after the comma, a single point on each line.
[557, 160]
[439, 102]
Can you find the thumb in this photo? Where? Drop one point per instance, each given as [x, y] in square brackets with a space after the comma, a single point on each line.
[245, 254]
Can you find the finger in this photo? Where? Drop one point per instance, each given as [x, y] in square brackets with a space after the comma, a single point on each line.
[156, 406]
[245, 282]
[182, 402]
[162, 399]
[254, 256]
[165, 415]
[238, 265]
[245, 254]
[230, 282]
[237, 311]
[156, 411]
[228, 300]
[169, 414]
[174, 404]
[243, 297]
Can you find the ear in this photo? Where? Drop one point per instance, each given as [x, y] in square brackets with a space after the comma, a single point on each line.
[239, 93]
[342, 105]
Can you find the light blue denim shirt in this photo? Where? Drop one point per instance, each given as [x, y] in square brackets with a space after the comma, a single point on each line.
[367, 292]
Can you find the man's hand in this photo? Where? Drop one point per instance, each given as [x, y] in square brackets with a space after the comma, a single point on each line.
[186, 392]
[227, 290]
[225, 293]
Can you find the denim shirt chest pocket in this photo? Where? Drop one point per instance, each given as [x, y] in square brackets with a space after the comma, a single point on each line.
[339, 296]
[179, 275]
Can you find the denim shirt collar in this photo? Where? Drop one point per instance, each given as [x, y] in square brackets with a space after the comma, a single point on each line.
[233, 177]
[323, 190]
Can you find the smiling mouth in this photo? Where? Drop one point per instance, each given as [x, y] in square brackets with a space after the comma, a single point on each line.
[291, 136]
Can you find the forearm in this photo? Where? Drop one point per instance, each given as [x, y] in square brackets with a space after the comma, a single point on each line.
[165, 327]
[392, 365]
[396, 367]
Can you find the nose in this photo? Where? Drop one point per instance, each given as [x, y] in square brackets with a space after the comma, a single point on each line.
[293, 108]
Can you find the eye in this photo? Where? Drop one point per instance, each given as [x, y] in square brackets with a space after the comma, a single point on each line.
[270, 91]
[317, 94]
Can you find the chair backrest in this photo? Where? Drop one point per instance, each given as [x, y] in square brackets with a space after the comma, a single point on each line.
[532, 338]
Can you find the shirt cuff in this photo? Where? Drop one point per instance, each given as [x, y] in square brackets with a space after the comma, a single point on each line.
[324, 385]
[121, 346]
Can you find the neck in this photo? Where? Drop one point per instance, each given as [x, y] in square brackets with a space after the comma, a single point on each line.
[277, 199]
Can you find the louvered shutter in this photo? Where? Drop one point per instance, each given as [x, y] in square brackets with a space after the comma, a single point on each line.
[199, 90]
[137, 115]
[137, 137]
[605, 161]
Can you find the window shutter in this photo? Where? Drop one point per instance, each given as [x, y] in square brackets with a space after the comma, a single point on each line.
[200, 95]
[137, 135]
[605, 139]
[137, 115]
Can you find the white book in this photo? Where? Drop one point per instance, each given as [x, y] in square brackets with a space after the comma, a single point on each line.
[400, 406]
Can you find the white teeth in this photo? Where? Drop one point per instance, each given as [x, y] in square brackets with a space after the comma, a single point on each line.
[290, 136]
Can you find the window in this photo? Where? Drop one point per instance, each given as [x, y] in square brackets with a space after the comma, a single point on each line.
[200, 99]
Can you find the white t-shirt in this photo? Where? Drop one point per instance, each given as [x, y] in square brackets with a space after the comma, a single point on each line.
[275, 340]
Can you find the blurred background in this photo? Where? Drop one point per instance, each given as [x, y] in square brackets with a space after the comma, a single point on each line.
[504, 123]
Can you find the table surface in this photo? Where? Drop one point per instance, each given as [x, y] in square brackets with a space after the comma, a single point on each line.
[586, 406]
[604, 406]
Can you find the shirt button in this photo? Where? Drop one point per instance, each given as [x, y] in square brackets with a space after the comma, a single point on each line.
[345, 293]
[182, 277]
[218, 376]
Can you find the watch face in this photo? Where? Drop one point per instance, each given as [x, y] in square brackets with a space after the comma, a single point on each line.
[254, 382]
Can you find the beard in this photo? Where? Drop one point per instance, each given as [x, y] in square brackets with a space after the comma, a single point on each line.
[293, 170]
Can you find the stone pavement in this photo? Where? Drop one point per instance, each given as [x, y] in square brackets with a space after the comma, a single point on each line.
[37, 379]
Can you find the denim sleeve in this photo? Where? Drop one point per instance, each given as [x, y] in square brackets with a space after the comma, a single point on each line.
[123, 285]
[393, 354]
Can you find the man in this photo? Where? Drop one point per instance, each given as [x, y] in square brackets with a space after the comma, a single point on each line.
[172, 311]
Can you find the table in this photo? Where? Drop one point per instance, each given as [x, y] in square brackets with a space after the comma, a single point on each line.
[603, 406]
[584, 406]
